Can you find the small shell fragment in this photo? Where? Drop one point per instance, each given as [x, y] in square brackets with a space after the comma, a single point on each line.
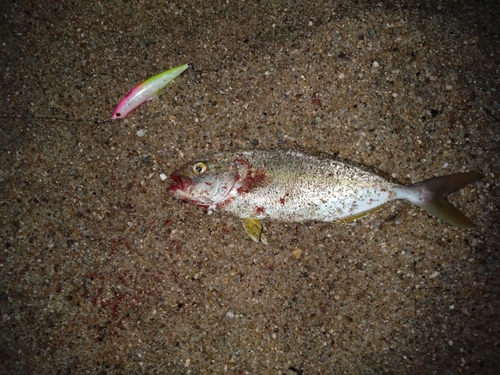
[297, 253]
[163, 176]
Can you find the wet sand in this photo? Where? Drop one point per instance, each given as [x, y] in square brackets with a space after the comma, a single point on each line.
[102, 272]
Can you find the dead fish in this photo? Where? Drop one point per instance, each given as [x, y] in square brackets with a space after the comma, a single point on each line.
[292, 186]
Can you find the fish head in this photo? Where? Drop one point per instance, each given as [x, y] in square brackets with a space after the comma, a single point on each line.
[205, 183]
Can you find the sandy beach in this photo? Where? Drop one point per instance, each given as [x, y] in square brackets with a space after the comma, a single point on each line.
[102, 272]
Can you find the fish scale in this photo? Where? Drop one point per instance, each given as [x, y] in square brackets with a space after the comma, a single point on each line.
[300, 187]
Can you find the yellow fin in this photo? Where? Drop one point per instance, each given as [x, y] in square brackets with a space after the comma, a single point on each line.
[254, 228]
[353, 218]
[362, 214]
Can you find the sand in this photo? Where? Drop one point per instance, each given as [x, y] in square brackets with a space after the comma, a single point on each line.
[102, 272]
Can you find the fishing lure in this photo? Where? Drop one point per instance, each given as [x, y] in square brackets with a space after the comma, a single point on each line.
[147, 90]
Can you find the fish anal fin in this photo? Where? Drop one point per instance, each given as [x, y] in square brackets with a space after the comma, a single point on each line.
[350, 219]
[360, 215]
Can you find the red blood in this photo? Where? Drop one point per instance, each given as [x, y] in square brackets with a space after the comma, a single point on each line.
[224, 203]
[260, 210]
[282, 199]
[252, 180]
[244, 162]
[115, 311]
[316, 100]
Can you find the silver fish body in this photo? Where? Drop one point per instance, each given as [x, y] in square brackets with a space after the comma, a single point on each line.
[292, 186]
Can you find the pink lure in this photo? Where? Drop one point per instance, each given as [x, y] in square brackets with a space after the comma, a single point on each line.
[146, 91]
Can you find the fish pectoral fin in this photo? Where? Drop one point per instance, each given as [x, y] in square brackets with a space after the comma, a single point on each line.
[254, 228]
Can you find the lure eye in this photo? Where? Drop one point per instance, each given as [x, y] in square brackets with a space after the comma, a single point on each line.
[199, 168]
[118, 114]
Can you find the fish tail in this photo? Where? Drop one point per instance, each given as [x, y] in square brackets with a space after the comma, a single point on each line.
[431, 196]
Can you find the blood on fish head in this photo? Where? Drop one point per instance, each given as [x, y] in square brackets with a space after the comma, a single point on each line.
[204, 183]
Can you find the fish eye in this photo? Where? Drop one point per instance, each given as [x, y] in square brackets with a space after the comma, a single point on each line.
[199, 167]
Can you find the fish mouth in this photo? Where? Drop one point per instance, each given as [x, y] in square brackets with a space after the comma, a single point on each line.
[178, 183]
[181, 186]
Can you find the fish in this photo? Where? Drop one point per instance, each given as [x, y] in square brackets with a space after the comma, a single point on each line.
[147, 90]
[295, 186]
